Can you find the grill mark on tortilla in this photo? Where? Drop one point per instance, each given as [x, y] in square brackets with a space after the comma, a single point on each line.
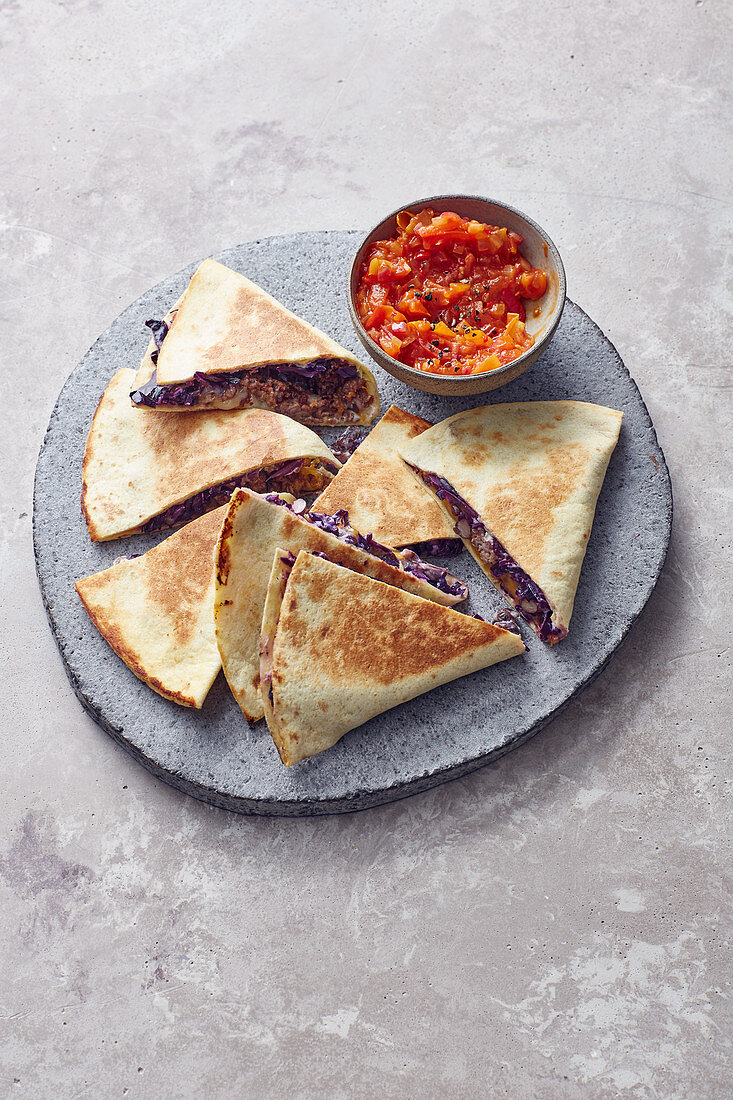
[223, 552]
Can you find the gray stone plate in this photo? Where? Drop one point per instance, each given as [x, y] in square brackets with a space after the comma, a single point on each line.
[212, 754]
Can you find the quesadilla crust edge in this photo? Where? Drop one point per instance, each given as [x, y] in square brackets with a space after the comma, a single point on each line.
[155, 612]
[253, 527]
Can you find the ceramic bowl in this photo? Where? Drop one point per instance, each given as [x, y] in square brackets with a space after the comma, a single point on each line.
[539, 250]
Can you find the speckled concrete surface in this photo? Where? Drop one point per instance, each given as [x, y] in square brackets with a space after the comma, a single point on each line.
[553, 926]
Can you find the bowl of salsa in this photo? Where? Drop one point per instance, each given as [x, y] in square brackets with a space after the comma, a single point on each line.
[456, 294]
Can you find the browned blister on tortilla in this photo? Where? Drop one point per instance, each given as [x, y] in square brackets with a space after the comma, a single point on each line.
[251, 532]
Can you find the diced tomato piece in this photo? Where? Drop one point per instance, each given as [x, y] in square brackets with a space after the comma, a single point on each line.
[512, 303]
[376, 317]
[390, 343]
[534, 284]
[412, 305]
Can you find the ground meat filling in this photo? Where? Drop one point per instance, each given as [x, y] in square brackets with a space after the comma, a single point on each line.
[322, 392]
[528, 598]
[300, 475]
[406, 560]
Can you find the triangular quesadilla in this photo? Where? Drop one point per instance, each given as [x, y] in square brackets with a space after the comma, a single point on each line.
[156, 611]
[338, 648]
[382, 496]
[521, 482]
[144, 472]
[252, 530]
[229, 345]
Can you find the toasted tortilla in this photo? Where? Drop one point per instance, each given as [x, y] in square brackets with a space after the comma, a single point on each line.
[380, 493]
[224, 323]
[532, 471]
[251, 532]
[137, 464]
[156, 611]
[345, 649]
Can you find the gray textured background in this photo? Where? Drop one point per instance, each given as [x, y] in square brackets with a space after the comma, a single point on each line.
[553, 926]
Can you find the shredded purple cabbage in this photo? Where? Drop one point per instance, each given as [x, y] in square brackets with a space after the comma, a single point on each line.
[407, 560]
[347, 443]
[190, 392]
[502, 565]
[159, 330]
[507, 620]
[211, 498]
[438, 548]
[338, 525]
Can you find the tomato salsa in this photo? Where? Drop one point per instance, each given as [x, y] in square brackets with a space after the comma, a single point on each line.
[446, 294]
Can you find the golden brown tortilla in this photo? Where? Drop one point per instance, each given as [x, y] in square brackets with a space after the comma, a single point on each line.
[252, 530]
[224, 322]
[138, 463]
[156, 611]
[347, 648]
[379, 492]
[533, 471]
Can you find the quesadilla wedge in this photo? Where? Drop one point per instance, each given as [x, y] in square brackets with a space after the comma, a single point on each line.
[381, 495]
[254, 527]
[144, 472]
[317, 684]
[520, 482]
[228, 344]
[156, 611]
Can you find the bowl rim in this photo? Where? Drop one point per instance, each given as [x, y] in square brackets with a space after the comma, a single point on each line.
[498, 372]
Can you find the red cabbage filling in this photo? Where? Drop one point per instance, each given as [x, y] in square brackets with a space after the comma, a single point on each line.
[308, 376]
[282, 477]
[321, 391]
[347, 443]
[409, 562]
[438, 548]
[528, 598]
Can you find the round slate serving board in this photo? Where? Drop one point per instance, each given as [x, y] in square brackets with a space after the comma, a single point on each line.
[213, 754]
